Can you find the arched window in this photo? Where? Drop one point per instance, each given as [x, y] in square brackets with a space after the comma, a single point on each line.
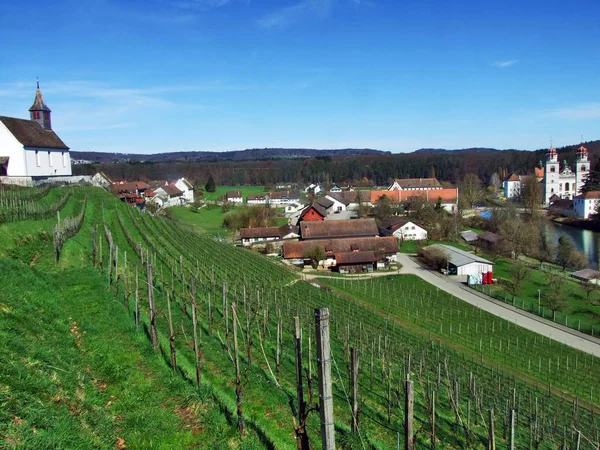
[567, 186]
[583, 168]
[552, 191]
[552, 169]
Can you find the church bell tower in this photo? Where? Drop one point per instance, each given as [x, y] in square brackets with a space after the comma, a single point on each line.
[39, 112]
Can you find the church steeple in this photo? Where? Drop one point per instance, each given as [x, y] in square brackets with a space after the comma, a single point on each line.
[39, 112]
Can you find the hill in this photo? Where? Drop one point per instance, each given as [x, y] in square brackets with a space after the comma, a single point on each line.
[236, 155]
[78, 369]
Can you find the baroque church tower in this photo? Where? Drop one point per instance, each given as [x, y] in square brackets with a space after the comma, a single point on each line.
[39, 112]
[582, 167]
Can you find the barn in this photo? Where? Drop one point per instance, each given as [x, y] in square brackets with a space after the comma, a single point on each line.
[461, 262]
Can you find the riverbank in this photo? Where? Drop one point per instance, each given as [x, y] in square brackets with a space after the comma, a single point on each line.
[584, 224]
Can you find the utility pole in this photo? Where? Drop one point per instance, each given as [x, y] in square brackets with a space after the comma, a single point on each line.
[325, 390]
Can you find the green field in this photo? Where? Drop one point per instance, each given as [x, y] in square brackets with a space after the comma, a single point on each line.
[70, 329]
[222, 190]
[206, 220]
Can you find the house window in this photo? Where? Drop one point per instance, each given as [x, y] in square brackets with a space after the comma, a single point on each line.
[46, 115]
[552, 169]
[36, 114]
[37, 158]
[583, 168]
[50, 159]
[567, 186]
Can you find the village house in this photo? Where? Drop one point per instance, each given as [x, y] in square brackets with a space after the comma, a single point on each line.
[335, 189]
[30, 151]
[340, 204]
[313, 213]
[186, 188]
[251, 236]
[167, 196]
[384, 248]
[234, 196]
[586, 204]
[314, 189]
[415, 184]
[349, 200]
[274, 198]
[403, 229]
[132, 192]
[447, 197]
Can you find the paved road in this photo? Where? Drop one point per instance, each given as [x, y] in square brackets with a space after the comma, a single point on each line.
[559, 333]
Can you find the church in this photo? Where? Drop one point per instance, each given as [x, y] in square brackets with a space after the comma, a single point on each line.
[557, 184]
[30, 150]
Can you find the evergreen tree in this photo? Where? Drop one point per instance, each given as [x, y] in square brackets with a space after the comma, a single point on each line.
[592, 183]
[210, 185]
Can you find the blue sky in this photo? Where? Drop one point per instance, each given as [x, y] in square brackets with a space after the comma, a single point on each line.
[215, 75]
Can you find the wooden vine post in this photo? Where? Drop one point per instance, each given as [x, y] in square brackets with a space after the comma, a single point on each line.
[301, 436]
[238, 378]
[324, 367]
[152, 311]
[491, 432]
[137, 299]
[409, 405]
[171, 336]
[195, 334]
[354, 387]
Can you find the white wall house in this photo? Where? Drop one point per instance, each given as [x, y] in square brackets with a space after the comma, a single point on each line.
[338, 205]
[313, 188]
[512, 187]
[586, 204]
[29, 148]
[410, 231]
[234, 196]
[186, 187]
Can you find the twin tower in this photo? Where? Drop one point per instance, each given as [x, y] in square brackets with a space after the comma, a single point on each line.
[565, 184]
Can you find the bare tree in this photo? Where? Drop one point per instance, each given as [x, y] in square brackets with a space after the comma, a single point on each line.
[564, 253]
[518, 273]
[470, 190]
[531, 193]
[555, 283]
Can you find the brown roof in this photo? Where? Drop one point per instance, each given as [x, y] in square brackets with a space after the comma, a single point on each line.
[378, 245]
[32, 134]
[513, 177]
[490, 237]
[391, 224]
[589, 195]
[264, 232]
[284, 195]
[318, 208]
[261, 197]
[355, 258]
[406, 183]
[233, 194]
[339, 197]
[339, 229]
[172, 190]
[324, 202]
[131, 186]
[38, 102]
[261, 232]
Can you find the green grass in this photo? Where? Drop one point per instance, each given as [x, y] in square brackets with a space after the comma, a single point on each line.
[399, 323]
[207, 220]
[582, 314]
[222, 190]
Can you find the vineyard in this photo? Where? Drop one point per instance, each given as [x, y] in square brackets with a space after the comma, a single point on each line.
[223, 318]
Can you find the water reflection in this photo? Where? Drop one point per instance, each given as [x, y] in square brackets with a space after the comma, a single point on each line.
[586, 241]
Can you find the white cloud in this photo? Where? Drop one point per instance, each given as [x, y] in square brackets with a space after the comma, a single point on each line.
[504, 64]
[289, 15]
[584, 111]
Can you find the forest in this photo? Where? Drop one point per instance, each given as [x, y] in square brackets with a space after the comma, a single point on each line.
[360, 170]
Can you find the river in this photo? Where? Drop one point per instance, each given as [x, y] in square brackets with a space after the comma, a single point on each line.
[586, 241]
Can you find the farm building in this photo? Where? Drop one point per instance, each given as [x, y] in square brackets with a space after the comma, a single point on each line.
[351, 262]
[587, 275]
[338, 229]
[382, 247]
[249, 236]
[313, 213]
[469, 236]
[234, 196]
[402, 228]
[463, 263]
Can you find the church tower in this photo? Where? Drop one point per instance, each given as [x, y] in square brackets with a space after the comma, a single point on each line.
[551, 175]
[39, 112]
[582, 168]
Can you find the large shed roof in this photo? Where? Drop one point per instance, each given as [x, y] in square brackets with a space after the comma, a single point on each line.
[459, 257]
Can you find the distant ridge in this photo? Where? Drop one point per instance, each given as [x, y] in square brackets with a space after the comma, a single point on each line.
[236, 155]
[434, 151]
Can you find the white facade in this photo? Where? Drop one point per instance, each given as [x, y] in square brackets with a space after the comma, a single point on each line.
[32, 161]
[512, 189]
[411, 232]
[186, 187]
[474, 268]
[337, 205]
[586, 204]
[565, 184]
[314, 188]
